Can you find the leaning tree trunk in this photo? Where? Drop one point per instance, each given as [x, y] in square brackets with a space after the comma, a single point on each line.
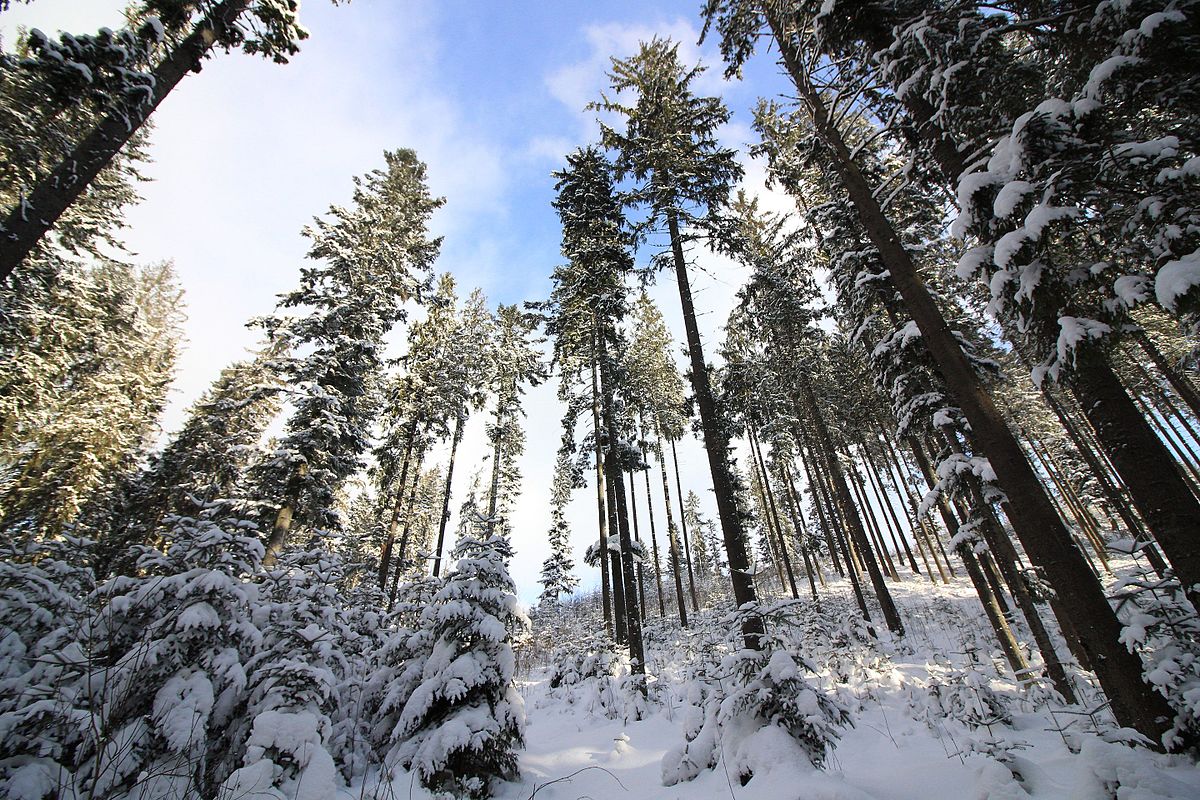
[1048, 543]
[756, 454]
[1161, 495]
[389, 541]
[37, 212]
[662, 606]
[716, 444]
[825, 444]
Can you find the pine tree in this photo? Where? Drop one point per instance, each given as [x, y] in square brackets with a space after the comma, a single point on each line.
[89, 412]
[461, 725]
[557, 576]
[170, 645]
[656, 393]
[370, 258]
[295, 679]
[669, 147]
[516, 363]
[204, 463]
[130, 72]
[1043, 534]
[588, 300]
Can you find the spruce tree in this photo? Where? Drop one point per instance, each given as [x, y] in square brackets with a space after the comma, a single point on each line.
[683, 177]
[461, 726]
[131, 72]
[370, 258]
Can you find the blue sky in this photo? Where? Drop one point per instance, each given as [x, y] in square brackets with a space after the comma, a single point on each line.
[490, 95]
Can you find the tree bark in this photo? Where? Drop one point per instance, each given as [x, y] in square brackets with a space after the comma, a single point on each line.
[890, 614]
[781, 545]
[716, 444]
[633, 617]
[662, 606]
[389, 541]
[687, 550]
[37, 213]
[672, 538]
[1135, 704]
[445, 518]
[601, 501]
[1163, 498]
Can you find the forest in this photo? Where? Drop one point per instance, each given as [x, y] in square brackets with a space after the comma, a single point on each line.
[943, 535]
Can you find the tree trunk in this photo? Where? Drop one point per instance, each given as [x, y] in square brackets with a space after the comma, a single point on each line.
[36, 213]
[662, 606]
[279, 535]
[798, 526]
[385, 554]
[717, 446]
[633, 617]
[885, 502]
[672, 538]
[1107, 480]
[819, 509]
[687, 550]
[874, 536]
[445, 518]
[1187, 393]
[890, 614]
[641, 570]
[780, 544]
[1134, 702]
[601, 501]
[616, 575]
[1163, 498]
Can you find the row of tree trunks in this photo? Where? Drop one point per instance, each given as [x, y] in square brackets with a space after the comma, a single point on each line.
[1042, 533]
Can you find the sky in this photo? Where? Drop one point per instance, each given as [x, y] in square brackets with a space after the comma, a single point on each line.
[491, 96]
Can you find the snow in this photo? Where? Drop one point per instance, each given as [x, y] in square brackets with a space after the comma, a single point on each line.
[1176, 278]
[1010, 196]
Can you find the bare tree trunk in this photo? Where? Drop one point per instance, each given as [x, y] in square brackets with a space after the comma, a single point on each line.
[1108, 482]
[631, 610]
[385, 554]
[717, 447]
[822, 520]
[672, 539]
[662, 607]
[601, 501]
[756, 455]
[641, 571]
[798, 526]
[1182, 386]
[687, 550]
[445, 518]
[890, 614]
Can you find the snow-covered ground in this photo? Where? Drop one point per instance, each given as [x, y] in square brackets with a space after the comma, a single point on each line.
[912, 703]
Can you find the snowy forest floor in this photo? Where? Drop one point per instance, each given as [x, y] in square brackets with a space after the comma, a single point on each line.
[935, 715]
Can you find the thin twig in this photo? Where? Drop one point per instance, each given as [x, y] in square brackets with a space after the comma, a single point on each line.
[538, 788]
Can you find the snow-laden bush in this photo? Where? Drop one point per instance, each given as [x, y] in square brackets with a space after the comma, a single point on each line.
[964, 695]
[43, 662]
[587, 674]
[397, 664]
[755, 694]
[295, 679]
[1163, 627]
[462, 724]
[169, 672]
